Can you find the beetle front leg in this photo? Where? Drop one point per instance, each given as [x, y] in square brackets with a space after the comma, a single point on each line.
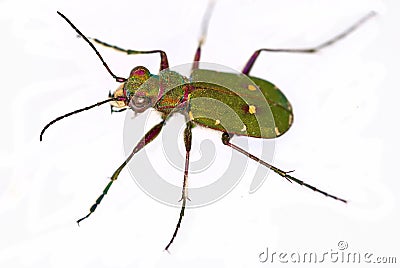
[285, 174]
[188, 145]
[247, 68]
[150, 136]
[164, 59]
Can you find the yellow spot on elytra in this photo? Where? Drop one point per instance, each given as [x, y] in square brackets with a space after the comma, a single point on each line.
[252, 109]
[290, 119]
[244, 128]
[251, 87]
[217, 122]
[277, 131]
[191, 116]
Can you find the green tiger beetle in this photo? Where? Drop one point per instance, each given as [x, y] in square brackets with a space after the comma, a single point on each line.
[143, 90]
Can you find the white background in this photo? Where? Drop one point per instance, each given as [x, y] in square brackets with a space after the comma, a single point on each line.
[344, 138]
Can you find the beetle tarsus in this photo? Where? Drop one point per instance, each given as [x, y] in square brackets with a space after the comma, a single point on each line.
[226, 140]
[188, 145]
[81, 219]
[249, 65]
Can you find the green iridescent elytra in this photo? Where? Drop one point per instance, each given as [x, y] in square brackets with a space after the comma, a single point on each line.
[258, 108]
[228, 102]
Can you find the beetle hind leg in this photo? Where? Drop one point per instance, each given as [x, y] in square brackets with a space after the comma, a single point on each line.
[185, 197]
[285, 174]
[247, 68]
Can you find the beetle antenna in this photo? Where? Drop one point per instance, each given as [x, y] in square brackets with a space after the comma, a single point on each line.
[77, 111]
[117, 78]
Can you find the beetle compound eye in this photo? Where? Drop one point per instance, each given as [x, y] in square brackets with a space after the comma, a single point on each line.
[139, 103]
[140, 72]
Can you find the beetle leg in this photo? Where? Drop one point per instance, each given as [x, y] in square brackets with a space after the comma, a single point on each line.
[204, 29]
[226, 140]
[196, 59]
[247, 68]
[149, 136]
[164, 59]
[188, 145]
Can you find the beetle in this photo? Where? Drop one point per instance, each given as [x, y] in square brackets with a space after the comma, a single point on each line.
[169, 93]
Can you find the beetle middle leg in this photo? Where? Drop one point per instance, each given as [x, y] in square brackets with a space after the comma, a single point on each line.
[247, 68]
[285, 174]
[204, 29]
[149, 137]
[188, 145]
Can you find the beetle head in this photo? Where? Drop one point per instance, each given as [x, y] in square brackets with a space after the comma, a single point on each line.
[140, 91]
